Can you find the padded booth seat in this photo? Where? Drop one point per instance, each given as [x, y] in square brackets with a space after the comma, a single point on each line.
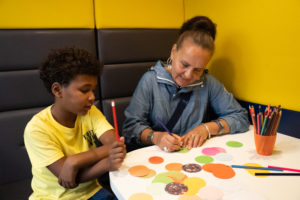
[22, 95]
[126, 55]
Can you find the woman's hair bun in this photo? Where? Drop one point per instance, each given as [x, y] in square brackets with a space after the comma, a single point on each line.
[199, 23]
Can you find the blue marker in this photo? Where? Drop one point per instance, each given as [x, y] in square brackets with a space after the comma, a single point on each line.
[164, 126]
[254, 167]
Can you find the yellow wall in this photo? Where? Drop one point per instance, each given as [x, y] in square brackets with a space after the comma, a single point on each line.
[139, 13]
[26, 14]
[257, 48]
[257, 44]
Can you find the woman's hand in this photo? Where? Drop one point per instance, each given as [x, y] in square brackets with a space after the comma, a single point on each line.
[195, 137]
[167, 142]
[117, 154]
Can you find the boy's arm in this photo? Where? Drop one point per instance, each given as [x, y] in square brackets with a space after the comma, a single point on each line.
[108, 137]
[66, 168]
[116, 156]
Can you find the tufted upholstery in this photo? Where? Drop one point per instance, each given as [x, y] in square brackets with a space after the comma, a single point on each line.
[126, 55]
[23, 95]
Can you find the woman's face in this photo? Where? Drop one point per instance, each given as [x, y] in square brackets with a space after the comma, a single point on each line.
[189, 62]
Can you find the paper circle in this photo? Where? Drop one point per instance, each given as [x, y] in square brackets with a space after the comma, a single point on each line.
[234, 144]
[139, 170]
[183, 150]
[191, 168]
[156, 160]
[139, 196]
[204, 159]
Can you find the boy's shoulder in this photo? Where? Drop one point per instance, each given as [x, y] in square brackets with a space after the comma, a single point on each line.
[39, 120]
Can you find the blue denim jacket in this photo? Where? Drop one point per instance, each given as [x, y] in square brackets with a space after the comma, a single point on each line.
[158, 95]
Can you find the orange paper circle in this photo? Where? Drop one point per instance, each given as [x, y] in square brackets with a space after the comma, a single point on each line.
[151, 174]
[174, 167]
[139, 170]
[219, 170]
[156, 160]
[189, 197]
[139, 196]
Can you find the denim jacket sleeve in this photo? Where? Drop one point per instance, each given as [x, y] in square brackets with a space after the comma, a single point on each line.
[137, 113]
[226, 107]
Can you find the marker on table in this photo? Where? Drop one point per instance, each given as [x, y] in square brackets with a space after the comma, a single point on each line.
[163, 125]
[253, 167]
[277, 174]
[115, 119]
[285, 168]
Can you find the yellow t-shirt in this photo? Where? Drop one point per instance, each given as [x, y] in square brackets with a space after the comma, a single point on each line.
[47, 141]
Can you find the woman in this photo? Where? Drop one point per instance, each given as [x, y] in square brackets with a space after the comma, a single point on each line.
[180, 95]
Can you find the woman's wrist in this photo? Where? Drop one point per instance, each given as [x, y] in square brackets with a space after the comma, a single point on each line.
[207, 130]
[150, 137]
[154, 139]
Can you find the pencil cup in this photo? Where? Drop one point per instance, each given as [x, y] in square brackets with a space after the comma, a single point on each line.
[264, 144]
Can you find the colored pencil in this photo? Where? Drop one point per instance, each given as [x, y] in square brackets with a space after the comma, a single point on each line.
[285, 168]
[115, 119]
[261, 115]
[263, 129]
[258, 124]
[251, 115]
[274, 124]
[261, 119]
[277, 125]
[253, 118]
[254, 167]
[277, 174]
[268, 124]
[265, 123]
[274, 112]
[163, 125]
[266, 112]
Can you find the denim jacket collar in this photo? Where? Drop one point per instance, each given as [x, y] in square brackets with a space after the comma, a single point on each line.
[163, 76]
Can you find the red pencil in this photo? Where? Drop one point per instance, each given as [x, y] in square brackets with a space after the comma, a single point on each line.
[258, 124]
[253, 119]
[115, 119]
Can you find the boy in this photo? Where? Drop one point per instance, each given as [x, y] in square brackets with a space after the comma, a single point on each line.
[62, 140]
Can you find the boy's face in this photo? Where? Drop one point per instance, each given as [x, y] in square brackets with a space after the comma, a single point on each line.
[78, 96]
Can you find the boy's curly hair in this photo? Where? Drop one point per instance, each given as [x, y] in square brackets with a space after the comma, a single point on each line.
[62, 65]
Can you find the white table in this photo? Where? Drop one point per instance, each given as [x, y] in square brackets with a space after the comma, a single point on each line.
[286, 154]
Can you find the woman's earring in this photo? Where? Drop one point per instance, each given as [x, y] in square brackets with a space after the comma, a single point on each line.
[169, 63]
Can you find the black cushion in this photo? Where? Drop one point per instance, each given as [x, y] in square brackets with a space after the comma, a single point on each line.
[18, 190]
[135, 45]
[120, 105]
[26, 49]
[120, 80]
[22, 89]
[23, 95]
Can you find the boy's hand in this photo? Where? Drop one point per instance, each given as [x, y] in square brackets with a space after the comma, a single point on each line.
[117, 154]
[67, 175]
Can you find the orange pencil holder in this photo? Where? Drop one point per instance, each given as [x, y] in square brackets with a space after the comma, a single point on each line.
[264, 144]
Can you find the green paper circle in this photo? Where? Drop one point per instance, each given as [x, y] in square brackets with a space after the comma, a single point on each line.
[204, 159]
[235, 144]
[183, 150]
